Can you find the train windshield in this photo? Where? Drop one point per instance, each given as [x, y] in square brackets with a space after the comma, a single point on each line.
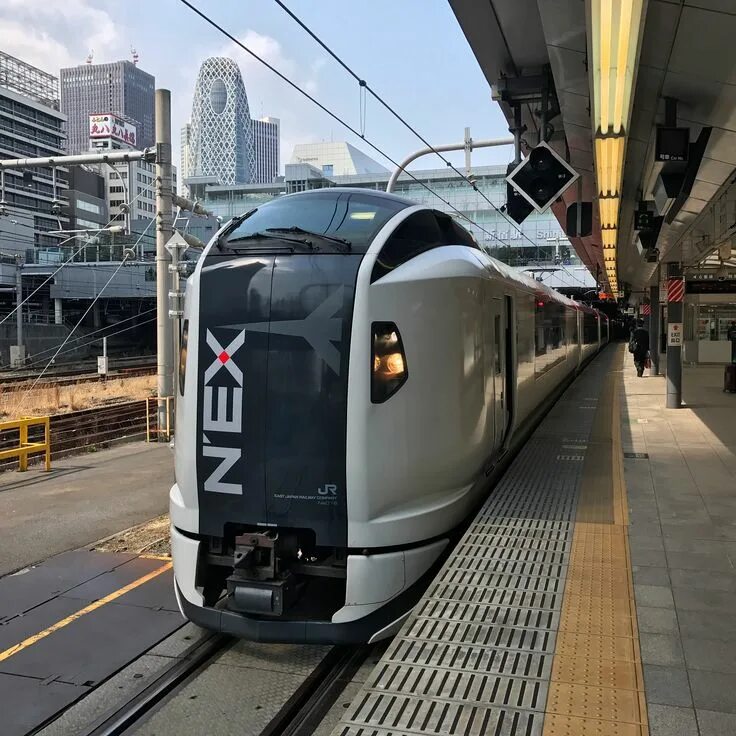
[323, 222]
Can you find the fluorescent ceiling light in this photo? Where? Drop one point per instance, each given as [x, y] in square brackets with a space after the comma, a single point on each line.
[609, 212]
[609, 239]
[614, 34]
[609, 159]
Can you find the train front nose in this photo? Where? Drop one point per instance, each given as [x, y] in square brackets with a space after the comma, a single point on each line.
[274, 338]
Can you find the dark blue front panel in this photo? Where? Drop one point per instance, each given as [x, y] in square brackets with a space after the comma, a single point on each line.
[274, 346]
[311, 314]
[231, 380]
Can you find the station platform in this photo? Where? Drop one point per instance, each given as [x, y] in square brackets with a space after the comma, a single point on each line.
[594, 592]
[69, 623]
[71, 617]
[82, 499]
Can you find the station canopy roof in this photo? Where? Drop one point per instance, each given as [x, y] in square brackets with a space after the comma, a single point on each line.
[613, 63]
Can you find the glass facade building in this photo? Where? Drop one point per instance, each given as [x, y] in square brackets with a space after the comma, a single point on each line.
[220, 137]
[538, 240]
[120, 88]
[336, 158]
[30, 127]
[266, 141]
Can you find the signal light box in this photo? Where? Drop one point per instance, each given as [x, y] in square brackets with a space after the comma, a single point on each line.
[542, 177]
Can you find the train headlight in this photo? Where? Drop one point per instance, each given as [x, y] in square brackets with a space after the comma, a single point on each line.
[389, 362]
[183, 355]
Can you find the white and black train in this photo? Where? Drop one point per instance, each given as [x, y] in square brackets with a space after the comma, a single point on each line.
[353, 366]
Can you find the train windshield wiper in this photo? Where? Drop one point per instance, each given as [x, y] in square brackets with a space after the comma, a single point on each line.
[254, 237]
[296, 230]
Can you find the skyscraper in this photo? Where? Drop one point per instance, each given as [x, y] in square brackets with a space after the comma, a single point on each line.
[266, 137]
[120, 88]
[30, 126]
[221, 134]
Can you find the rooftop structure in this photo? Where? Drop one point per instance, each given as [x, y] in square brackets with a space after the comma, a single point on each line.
[336, 158]
[29, 81]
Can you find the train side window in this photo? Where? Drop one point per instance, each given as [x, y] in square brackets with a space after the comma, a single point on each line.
[418, 233]
[454, 233]
[497, 343]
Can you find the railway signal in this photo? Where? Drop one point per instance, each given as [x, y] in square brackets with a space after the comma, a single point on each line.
[542, 177]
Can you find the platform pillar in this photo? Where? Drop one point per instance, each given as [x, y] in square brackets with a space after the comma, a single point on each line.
[654, 328]
[675, 299]
[58, 313]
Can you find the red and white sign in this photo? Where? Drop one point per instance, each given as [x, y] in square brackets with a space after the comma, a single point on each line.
[646, 309]
[674, 335]
[107, 125]
[675, 290]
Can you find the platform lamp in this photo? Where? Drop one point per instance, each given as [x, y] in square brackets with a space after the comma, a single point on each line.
[614, 33]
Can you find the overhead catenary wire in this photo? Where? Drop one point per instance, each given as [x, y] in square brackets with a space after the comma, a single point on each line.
[364, 85]
[332, 114]
[72, 348]
[71, 258]
[357, 133]
[38, 360]
[71, 332]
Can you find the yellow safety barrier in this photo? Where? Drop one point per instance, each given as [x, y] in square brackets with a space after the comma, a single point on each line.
[25, 448]
[158, 431]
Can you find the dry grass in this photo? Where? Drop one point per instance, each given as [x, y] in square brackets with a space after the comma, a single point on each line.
[17, 402]
[152, 537]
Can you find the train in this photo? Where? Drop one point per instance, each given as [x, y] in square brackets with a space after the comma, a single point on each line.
[353, 371]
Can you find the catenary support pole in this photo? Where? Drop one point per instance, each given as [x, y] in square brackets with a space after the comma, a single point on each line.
[654, 328]
[675, 298]
[164, 231]
[443, 148]
[19, 305]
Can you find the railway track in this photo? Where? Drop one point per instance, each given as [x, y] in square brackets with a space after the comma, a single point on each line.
[20, 382]
[81, 373]
[300, 715]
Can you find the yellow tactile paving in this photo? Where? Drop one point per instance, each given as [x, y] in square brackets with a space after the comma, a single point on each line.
[596, 672]
[597, 684]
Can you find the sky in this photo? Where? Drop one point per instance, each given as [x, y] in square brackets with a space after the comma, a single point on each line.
[412, 52]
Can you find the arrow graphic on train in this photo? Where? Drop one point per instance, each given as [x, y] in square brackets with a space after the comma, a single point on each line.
[320, 328]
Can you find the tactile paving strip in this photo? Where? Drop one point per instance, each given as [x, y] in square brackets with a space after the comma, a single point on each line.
[476, 656]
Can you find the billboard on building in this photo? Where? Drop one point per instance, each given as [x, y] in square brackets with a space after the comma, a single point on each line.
[107, 125]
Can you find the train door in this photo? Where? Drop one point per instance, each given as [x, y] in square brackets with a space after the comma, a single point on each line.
[509, 363]
[500, 415]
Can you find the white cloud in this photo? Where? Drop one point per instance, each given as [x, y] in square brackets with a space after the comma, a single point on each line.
[54, 34]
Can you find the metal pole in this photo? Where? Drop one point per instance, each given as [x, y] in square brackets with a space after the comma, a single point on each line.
[19, 304]
[674, 351]
[86, 158]
[164, 231]
[654, 328]
[448, 147]
[468, 149]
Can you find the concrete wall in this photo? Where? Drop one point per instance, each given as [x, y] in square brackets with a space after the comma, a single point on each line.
[39, 338]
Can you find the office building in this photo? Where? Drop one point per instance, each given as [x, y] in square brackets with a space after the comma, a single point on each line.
[120, 88]
[539, 239]
[336, 158]
[30, 126]
[220, 140]
[266, 141]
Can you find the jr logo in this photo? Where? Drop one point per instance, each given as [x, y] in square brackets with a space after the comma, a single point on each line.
[220, 402]
[330, 489]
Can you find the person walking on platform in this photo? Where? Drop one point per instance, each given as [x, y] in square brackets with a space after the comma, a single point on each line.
[639, 346]
[731, 335]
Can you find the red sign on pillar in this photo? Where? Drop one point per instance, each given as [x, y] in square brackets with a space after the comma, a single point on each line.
[675, 290]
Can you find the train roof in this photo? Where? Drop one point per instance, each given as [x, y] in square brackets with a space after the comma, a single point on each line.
[335, 191]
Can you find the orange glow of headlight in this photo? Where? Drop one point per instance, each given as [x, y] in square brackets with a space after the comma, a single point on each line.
[394, 363]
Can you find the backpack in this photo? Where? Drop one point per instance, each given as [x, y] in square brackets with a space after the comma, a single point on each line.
[633, 344]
